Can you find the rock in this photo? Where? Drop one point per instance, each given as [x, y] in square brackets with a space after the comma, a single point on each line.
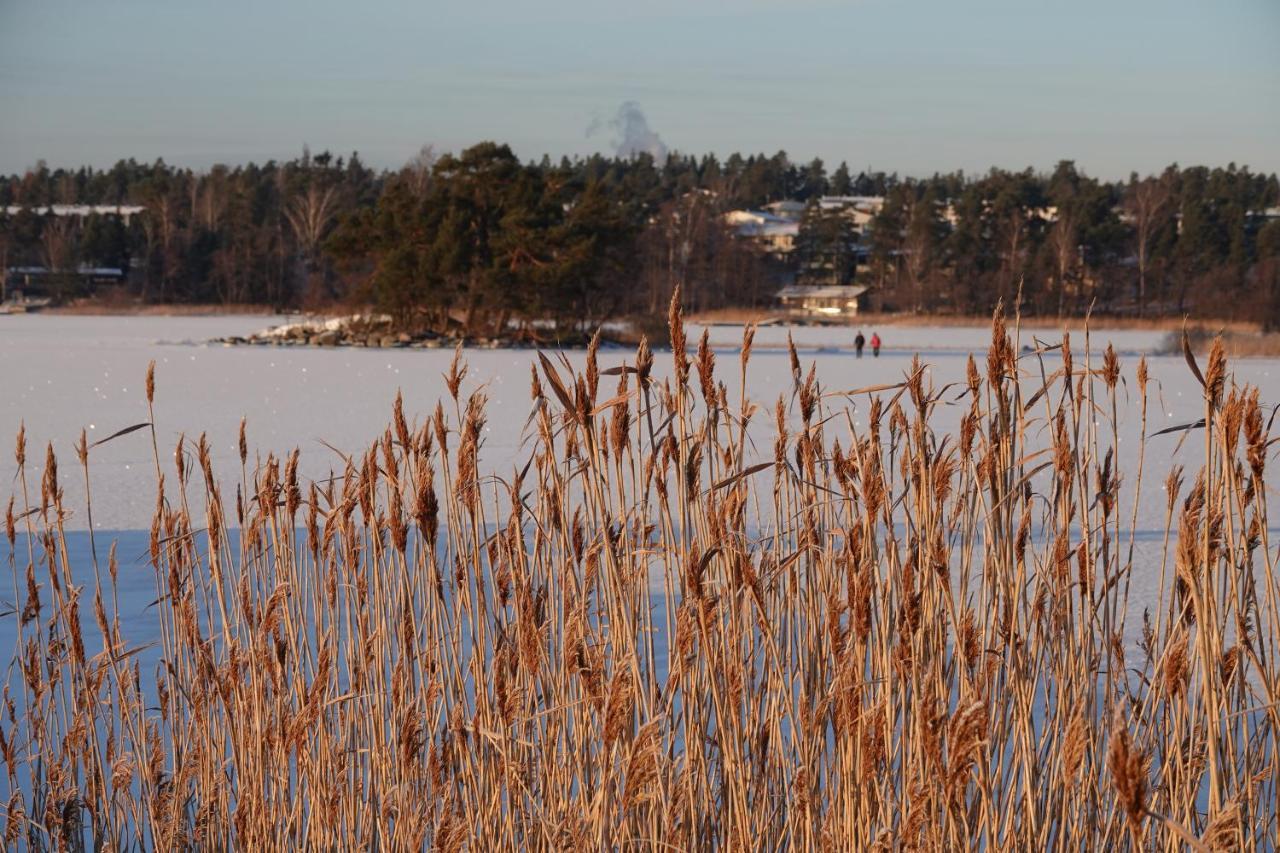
[403, 338]
[327, 338]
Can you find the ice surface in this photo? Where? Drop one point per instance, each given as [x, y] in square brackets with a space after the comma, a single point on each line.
[937, 342]
[59, 374]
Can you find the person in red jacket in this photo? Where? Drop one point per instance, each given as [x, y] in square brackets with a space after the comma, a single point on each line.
[875, 344]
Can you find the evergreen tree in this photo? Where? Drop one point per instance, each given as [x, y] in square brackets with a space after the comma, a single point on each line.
[841, 182]
[826, 247]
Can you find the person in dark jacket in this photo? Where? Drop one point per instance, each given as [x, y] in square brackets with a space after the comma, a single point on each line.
[859, 342]
[875, 344]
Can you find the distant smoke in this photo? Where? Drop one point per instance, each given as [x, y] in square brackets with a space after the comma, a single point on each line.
[632, 134]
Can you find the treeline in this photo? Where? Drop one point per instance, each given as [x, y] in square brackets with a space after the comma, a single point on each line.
[1194, 240]
[482, 239]
[245, 234]
[472, 238]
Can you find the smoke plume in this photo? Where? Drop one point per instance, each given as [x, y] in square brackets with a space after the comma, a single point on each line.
[632, 134]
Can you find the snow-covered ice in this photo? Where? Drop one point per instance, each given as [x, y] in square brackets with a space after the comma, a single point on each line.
[59, 374]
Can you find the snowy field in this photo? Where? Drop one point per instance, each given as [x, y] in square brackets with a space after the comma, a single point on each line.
[60, 374]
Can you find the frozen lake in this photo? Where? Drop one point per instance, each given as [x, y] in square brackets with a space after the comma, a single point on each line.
[59, 374]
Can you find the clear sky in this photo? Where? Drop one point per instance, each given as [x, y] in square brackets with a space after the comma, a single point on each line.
[914, 86]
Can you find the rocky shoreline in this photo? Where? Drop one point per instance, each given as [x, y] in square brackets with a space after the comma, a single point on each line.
[377, 332]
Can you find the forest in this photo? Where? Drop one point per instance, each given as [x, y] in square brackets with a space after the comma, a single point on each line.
[483, 240]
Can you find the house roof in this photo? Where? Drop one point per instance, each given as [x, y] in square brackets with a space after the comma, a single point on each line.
[754, 223]
[789, 207]
[870, 203]
[822, 291]
[83, 269]
[78, 209]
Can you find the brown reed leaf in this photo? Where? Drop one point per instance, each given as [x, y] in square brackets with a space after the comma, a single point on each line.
[620, 370]
[744, 473]
[1044, 387]
[121, 432]
[549, 370]
[619, 400]
[869, 389]
[1190, 357]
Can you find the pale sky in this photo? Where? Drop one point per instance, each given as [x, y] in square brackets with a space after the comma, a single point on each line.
[913, 86]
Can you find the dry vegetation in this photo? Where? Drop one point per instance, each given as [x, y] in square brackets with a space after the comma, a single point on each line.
[1230, 329]
[1237, 343]
[124, 305]
[902, 641]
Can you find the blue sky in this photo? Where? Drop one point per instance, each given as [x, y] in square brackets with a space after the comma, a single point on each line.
[913, 86]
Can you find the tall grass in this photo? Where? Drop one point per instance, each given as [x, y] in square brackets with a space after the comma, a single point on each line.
[645, 635]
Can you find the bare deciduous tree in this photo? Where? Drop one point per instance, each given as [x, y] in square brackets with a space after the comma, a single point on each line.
[1013, 254]
[1147, 202]
[310, 215]
[1065, 252]
[160, 222]
[212, 197]
[418, 170]
[58, 243]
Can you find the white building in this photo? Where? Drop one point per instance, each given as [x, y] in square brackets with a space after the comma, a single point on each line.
[775, 233]
[787, 209]
[124, 211]
[861, 209]
[834, 300]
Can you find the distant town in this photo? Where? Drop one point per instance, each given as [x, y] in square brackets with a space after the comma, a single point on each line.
[479, 241]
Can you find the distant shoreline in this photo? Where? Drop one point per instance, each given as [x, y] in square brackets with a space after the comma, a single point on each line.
[1241, 339]
[726, 316]
[96, 309]
[868, 320]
